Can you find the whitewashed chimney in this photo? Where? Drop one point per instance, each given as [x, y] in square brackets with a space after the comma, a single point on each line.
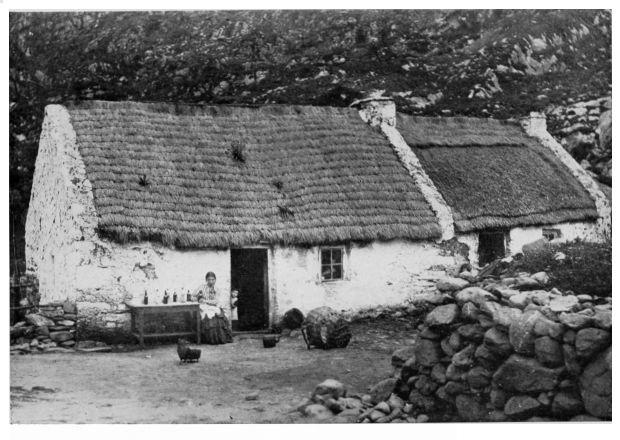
[376, 110]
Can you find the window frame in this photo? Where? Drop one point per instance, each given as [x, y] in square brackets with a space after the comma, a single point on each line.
[331, 264]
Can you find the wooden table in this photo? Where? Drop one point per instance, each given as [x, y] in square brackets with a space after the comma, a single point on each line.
[139, 311]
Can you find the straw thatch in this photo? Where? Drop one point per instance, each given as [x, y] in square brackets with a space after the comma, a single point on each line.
[193, 176]
[492, 175]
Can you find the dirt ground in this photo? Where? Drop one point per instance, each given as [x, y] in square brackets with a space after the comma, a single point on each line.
[240, 382]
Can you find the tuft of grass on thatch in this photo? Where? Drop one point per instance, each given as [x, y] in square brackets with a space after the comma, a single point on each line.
[498, 178]
[238, 151]
[342, 181]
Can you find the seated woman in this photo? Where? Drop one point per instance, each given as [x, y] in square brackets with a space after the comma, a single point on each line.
[215, 326]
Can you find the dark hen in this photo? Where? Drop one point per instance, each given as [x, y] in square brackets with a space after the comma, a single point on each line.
[187, 354]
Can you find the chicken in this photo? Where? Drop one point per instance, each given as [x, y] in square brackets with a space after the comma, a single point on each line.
[187, 354]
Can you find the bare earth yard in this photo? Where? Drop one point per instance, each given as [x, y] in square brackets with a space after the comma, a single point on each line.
[149, 386]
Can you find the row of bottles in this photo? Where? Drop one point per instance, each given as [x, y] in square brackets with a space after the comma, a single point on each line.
[166, 298]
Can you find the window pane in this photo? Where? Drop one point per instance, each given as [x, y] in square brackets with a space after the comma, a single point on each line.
[326, 272]
[337, 272]
[336, 256]
[325, 256]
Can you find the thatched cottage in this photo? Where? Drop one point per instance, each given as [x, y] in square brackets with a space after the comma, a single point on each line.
[294, 206]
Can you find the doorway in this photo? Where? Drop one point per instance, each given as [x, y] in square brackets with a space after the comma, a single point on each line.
[491, 246]
[249, 276]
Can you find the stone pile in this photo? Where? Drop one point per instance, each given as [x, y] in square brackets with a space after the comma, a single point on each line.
[502, 350]
[584, 130]
[51, 328]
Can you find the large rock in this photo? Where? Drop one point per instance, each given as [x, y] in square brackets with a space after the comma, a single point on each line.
[595, 386]
[475, 295]
[523, 407]
[604, 130]
[471, 409]
[526, 283]
[566, 404]
[425, 385]
[472, 332]
[60, 336]
[541, 277]
[402, 355]
[478, 378]
[382, 390]
[465, 357]
[602, 319]
[500, 314]
[564, 303]
[525, 375]
[590, 341]
[332, 387]
[451, 284]
[548, 352]
[469, 312]
[38, 320]
[546, 327]
[572, 364]
[486, 357]
[575, 321]
[317, 411]
[521, 332]
[442, 315]
[497, 342]
[427, 352]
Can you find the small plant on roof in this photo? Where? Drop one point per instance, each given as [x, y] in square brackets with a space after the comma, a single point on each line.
[238, 151]
[285, 212]
[143, 181]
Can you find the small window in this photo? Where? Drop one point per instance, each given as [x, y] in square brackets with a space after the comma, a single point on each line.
[551, 234]
[331, 264]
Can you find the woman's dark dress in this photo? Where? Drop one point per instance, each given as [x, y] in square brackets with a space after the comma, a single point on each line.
[215, 330]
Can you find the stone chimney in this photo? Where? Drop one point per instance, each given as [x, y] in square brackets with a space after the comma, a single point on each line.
[535, 124]
[376, 110]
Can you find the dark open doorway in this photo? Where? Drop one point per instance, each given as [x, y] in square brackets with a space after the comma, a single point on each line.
[491, 245]
[248, 275]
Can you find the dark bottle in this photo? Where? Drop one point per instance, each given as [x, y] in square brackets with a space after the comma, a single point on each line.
[189, 296]
[174, 297]
[146, 298]
[165, 301]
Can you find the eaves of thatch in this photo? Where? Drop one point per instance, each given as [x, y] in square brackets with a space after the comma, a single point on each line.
[492, 175]
[225, 176]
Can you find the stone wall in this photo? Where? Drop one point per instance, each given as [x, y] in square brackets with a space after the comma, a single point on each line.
[50, 327]
[500, 350]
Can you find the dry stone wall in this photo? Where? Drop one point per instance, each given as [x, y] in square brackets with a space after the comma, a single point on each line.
[500, 349]
[509, 350]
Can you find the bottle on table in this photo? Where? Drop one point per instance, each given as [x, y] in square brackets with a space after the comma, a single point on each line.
[145, 301]
[189, 296]
[165, 301]
[174, 297]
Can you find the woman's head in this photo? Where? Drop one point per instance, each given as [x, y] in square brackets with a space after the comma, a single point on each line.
[210, 278]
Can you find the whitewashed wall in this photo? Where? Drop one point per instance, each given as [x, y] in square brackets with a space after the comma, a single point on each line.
[569, 231]
[518, 237]
[381, 273]
[61, 212]
[113, 274]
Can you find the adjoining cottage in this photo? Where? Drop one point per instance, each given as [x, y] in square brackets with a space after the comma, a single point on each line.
[294, 206]
[503, 187]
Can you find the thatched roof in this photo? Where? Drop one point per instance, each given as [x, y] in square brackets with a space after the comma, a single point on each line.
[492, 175]
[194, 176]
